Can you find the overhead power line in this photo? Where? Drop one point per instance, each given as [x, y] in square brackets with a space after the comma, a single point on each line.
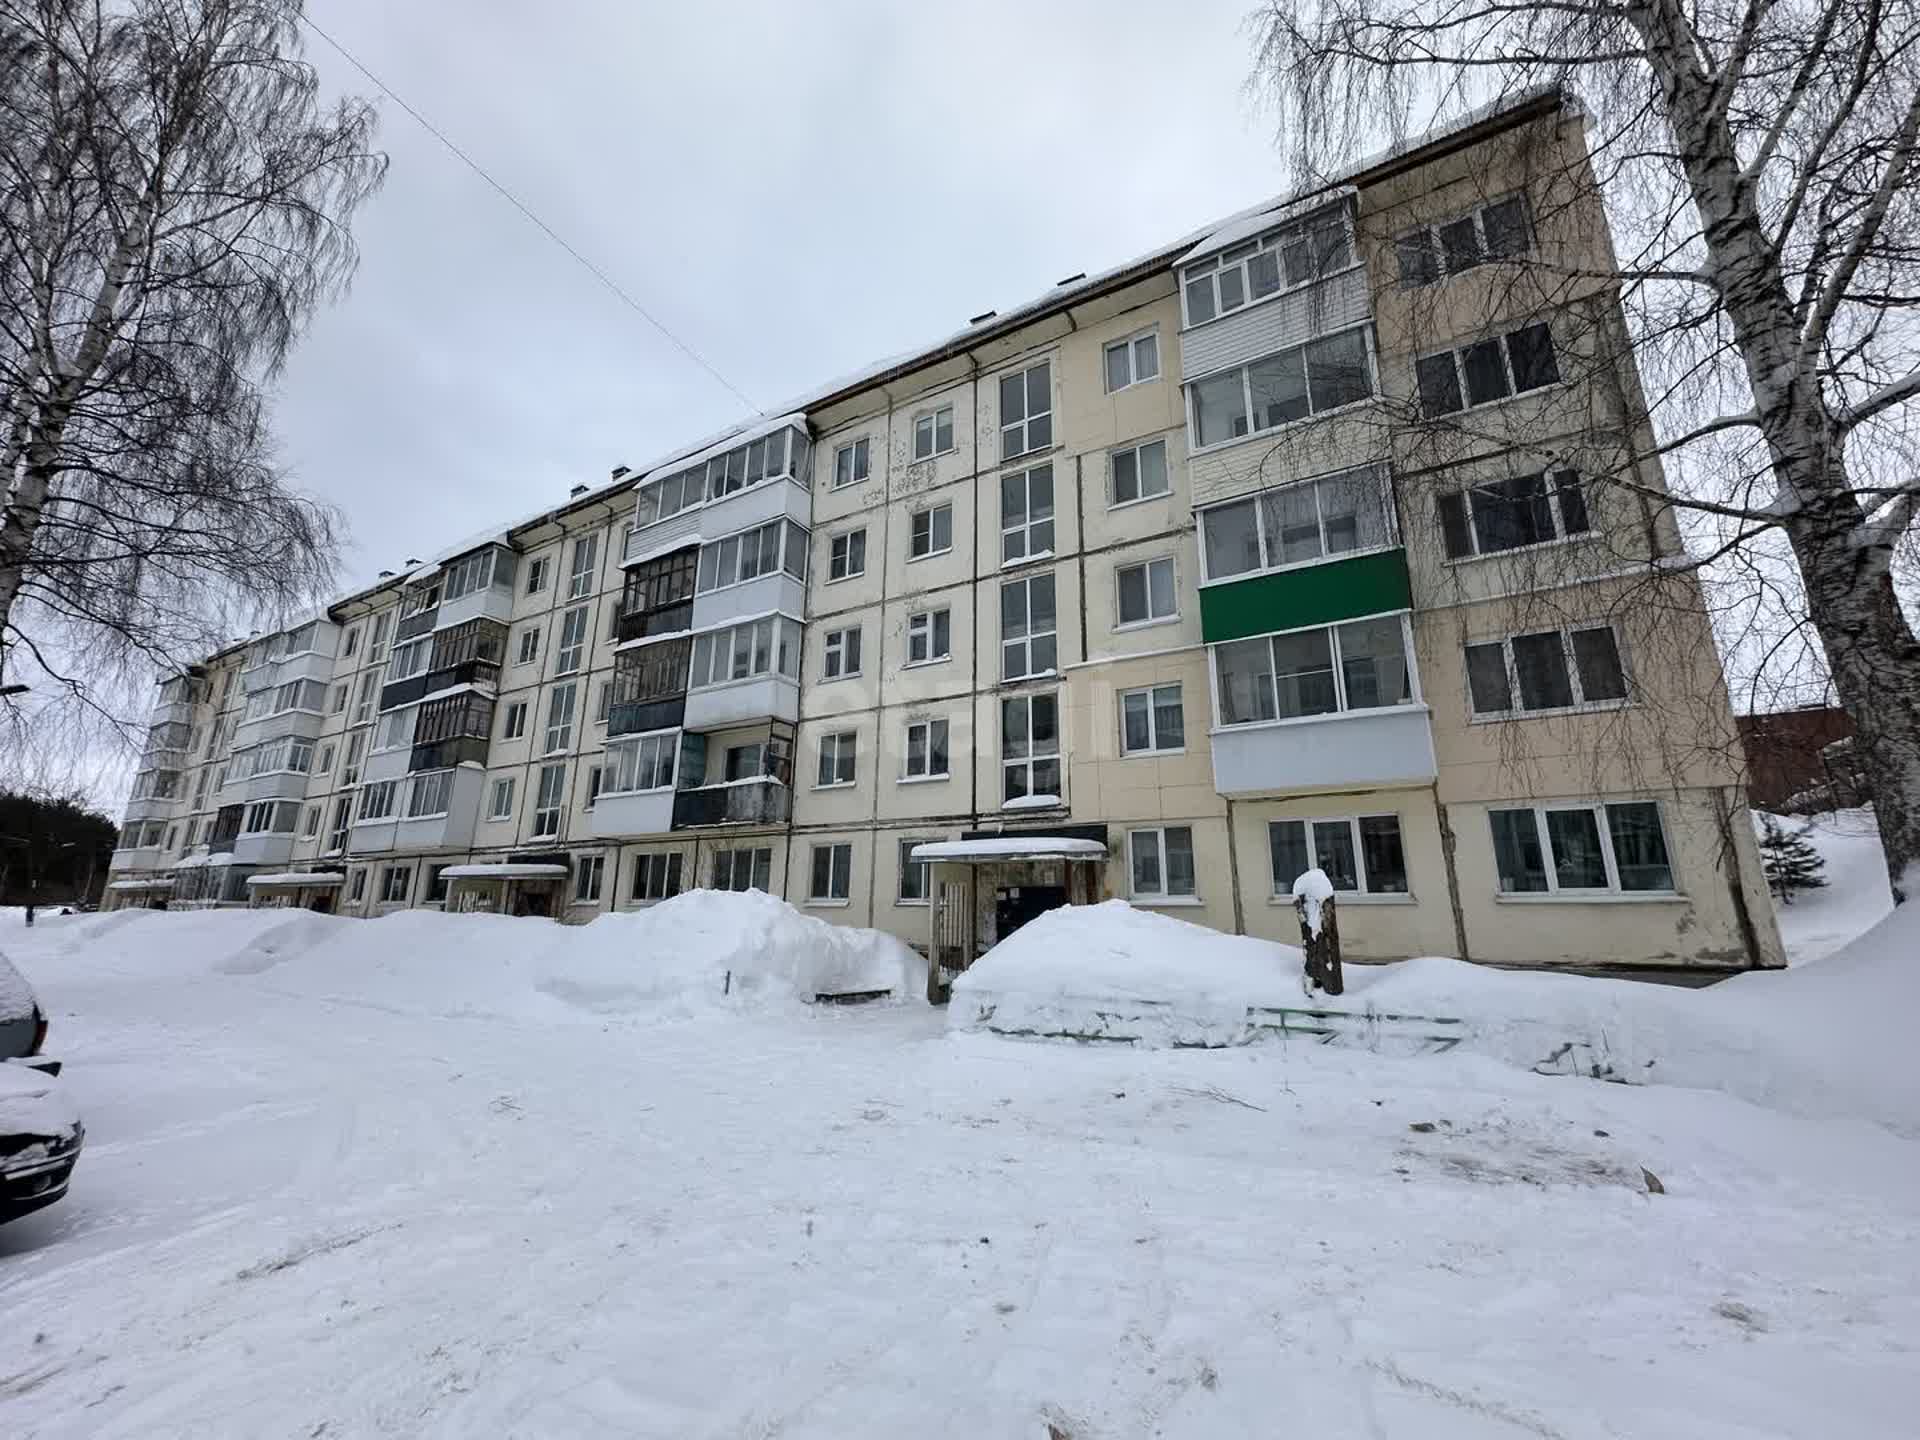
[514, 200]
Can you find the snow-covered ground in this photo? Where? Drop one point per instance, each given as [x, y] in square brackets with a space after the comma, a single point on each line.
[1856, 894]
[433, 1176]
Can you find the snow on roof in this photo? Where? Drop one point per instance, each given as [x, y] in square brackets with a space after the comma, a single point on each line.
[502, 870]
[161, 883]
[194, 862]
[1012, 847]
[742, 435]
[1258, 224]
[299, 877]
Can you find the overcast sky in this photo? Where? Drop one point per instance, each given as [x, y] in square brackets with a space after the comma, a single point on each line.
[794, 189]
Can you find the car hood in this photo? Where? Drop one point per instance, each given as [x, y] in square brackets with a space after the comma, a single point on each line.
[34, 1104]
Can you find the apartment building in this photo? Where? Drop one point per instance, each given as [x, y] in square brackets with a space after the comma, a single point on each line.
[1316, 538]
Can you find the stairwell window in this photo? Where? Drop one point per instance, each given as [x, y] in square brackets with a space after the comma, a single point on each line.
[550, 800]
[1582, 850]
[363, 698]
[1029, 747]
[930, 532]
[560, 719]
[1548, 670]
[1306, 380]
[1360, 855]
[1487, 370]
[1139, 472]
[933, 433]
[1160, 862]
[1026, 411]
[847, 555]
[377, 642]
[837, 760]
[1511, 513]
[586, 552]
[1147, 593]
[840, 654]
[573, 641]
[1133, 361]
[929, 637]
[1028, 628]
[832, 879]
[1026, 514]
[927, 750]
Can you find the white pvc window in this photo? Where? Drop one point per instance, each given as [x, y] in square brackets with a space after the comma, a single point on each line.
[1026, 514]
[1028, 628]
[1133, 361]
[850, 463]
[1339, 514]
[550, 800]
[929, 637]
[1281, 259]
[927, 750]
[1546, 671]
[1147, 592]
[1582, 850]
[1160, 862]
[1358, 665]
[1152, 721]
[1026, 411]
[933, 433]
[1139, 472]
[560, 706]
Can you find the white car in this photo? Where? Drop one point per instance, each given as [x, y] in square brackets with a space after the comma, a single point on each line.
[40, 1131]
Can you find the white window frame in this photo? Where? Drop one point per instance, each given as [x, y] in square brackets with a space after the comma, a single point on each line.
[1025, 641]
[1314, 412]
[559, 736]
[528, 649]
[548, 811]
[538, 570]
[759, 863]
[586, 563]
[840, 555]
[835, 850]
[1555, 890]
[1140, 496]
[500, 801]
[923, 626]
[1025, 424]
[1154, 745]
[1172, 617]
[908, 866]
[388, 874]
[420, 791]
[1580, 705]
[514, 723]
[589, 877]
[1415, 695]
[1268, 565]
[1276, 242]
[1458, 353]
[859, 457]
[1160, 894]
[654, 756]
[1029, 527]
[927, 727]
[1368, 890]
[656, 877]
[836, 649]
[378, 801]
[1027, 761]
[931, 420]
[929, 513]
[1130, 347]
[839, 749]
[570, 653]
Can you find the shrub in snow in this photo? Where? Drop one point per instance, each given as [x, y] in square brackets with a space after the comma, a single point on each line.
[1792, 864]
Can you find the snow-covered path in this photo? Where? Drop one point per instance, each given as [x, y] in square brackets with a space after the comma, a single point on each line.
[304, 1213]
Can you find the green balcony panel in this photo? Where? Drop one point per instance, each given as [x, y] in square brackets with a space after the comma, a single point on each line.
[1370, 584]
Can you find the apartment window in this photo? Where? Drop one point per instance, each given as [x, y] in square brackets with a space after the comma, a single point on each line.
[750, 555]
[357, 886]
[847, 555]
[656, 877]
[1496, 231]
[743, 869]
[1547, 670]
[1337, 514]
[324, 765]
[1361, 665]
[500, 806]
[1161, 862]
[930, 532]
[436, 889]
[586, 550]
[573, 641]
[1133, 360]
[836, 759]
[1508, 514]
[1026, 514]
[927, 750]
[1152, 721]
[339, 700]
[933, 433]
[529, 646]
[588, 872]
[840, 654]
[537, 571]
[603, 702]
[1277, 390]
[549, 800]
[429, 794]
[832, 873]
[350, 646]
[1291, 255]
[560, 718]
[914, 880]
[1360, 855]
[1146, 592]
[929, 637]
[395, 882]
[363, 698]
[644, 763]
[377, 642]
[1026, 410]
[1584, 849]
[1487, 370]
[409, 659]
[1028, 628]
[1139, 472]
[1030, 747]
[850, 463]
[376, 800]
[515, 724]
[395, 730]
[759, 647]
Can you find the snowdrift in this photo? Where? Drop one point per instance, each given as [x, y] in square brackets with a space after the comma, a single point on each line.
[700, 953]
[1831, 1040]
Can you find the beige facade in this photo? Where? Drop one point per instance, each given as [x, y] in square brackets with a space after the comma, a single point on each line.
[1068, 573]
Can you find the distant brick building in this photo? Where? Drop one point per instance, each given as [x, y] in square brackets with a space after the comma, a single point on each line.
[1784, 752]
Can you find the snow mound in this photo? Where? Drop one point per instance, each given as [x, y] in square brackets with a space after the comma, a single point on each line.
[34, 1104]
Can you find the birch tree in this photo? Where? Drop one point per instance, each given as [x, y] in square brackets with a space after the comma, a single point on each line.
[1758, 161]
[174, 203]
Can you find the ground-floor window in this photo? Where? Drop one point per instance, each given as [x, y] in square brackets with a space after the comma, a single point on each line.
[1359, 854]
[1161, 862]
[588, 872]
[743, 869]
[395, 882]
[1582, 849]
[357, 886]
[657, 877]
[436, 885]
[832, 872]
[913, 875]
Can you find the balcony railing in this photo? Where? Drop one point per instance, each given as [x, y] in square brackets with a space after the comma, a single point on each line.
[642, 623]
[467, 672]
[404, 692]
[762, 800]
[637, 717]
[442, 754]
[418, 623]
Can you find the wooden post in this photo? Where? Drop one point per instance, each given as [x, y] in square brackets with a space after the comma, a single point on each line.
[1323, 948]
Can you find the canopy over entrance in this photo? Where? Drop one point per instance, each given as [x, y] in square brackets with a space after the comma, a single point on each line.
[298, 879]
[985, 887]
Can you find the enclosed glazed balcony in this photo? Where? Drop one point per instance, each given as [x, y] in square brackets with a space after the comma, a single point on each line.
[451, 731]
[477, 586]
[758, 475]
[657, 598]
[649, 687]
[466, 654]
